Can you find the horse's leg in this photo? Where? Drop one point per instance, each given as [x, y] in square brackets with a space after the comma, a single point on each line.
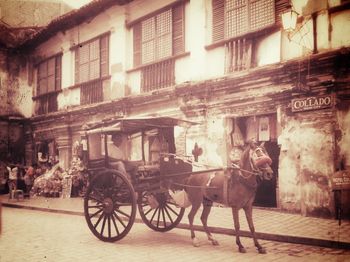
[191, 214]
[249, 215]
[237, 228]
[207, 204]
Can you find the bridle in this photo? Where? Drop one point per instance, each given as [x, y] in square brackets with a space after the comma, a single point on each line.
[256, 171]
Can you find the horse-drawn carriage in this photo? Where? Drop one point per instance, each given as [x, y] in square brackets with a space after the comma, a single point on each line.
[113, 195]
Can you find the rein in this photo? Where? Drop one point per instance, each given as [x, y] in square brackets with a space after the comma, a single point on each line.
[202, 187]
[246, 171]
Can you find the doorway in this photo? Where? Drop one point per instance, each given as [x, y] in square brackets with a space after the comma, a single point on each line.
[266, 193]
[262, 128]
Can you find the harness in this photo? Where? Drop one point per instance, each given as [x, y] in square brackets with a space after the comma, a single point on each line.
[227, 180]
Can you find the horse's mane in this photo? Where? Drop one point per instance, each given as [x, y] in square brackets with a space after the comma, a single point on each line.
[244, 158]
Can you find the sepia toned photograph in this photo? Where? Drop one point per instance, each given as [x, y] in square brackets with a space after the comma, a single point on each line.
[174, 130]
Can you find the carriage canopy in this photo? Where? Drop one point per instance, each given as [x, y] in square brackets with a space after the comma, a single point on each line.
[131, 125]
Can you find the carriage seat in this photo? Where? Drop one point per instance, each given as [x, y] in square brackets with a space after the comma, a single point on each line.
[148, 168]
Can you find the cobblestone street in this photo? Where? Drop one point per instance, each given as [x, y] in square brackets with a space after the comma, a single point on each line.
[43, 236]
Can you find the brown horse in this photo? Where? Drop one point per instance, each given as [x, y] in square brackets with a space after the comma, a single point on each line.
[234, 187]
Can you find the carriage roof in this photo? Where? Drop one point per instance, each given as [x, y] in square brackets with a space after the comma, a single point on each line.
[136, 124]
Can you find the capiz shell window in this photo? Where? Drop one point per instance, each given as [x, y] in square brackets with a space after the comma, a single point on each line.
[156, 37]
[159, 36]
[233, 18]
[91, 59]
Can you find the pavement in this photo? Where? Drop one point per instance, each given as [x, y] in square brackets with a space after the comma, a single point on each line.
[270, 224]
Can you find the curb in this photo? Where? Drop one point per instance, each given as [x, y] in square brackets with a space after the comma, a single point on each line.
[217, 230]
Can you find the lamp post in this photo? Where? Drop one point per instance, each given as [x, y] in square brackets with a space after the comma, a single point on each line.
[289, 20]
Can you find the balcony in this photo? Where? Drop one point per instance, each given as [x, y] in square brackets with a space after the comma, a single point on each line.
[158, 75]
[46, 103]
[238, 55]
[91, 92]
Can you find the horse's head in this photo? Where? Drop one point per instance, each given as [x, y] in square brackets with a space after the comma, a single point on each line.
[260, 160]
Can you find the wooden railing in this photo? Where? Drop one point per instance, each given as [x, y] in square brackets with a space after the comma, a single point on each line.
[91, 92]
[238, 55]
[158, 75]
[47, 103]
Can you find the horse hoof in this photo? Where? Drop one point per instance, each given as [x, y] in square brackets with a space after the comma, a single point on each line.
[242, 250]
[195, 242]
[214, 242]
[262, 250]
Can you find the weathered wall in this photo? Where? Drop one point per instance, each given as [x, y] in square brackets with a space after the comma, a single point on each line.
[344, 142]
[4, 107]
[15, 91]
[306, 163]
[31, 12]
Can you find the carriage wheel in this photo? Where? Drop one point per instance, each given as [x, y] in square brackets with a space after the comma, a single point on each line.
[110, 206]
[159, 212]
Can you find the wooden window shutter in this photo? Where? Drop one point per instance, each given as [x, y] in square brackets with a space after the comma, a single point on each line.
[178, 30]
[137, 44]
[76, 69]
[104, 45]
[218, 20]
[51, 79]
[58, 73]
[280, 7]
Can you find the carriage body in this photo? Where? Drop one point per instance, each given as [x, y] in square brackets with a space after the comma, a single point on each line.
[112, 196]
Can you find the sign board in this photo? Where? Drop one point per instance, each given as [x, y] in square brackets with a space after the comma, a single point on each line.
[311, 103]
[341, 180]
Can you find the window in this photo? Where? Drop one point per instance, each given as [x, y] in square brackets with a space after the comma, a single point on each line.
[49, 76]
[159, 36]
[91, 60]
[48, 85]
[232, 18]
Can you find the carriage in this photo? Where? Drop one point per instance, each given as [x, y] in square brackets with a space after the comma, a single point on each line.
[156, 173]
[112, 197]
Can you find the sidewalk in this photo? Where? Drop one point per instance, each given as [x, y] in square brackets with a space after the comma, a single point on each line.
[269, 224]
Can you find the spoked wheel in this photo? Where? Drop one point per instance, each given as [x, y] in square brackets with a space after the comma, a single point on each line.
[159, 212]
[110, 206]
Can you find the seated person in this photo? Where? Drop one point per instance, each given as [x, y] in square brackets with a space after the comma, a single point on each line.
[118, 159]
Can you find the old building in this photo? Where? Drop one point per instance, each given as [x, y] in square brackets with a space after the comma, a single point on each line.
[226, 64]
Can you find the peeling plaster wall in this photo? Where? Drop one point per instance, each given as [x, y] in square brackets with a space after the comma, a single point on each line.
[31, 12]
[3, 87]
[344, 143]
[306, 164]
[15, 91]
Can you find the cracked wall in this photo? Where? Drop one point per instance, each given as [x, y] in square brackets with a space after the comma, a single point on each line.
[307, 164]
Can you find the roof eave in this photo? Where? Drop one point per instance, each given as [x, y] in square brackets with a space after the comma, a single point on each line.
[70, 20]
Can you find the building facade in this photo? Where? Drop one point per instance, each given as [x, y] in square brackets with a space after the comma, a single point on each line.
[224, 63]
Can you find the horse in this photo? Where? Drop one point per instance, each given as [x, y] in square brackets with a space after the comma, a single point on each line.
[234, 187]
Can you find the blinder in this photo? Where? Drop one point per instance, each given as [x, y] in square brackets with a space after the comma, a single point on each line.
[261, 162]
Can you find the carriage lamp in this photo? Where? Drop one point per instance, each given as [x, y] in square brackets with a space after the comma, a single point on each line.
[289, 20]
